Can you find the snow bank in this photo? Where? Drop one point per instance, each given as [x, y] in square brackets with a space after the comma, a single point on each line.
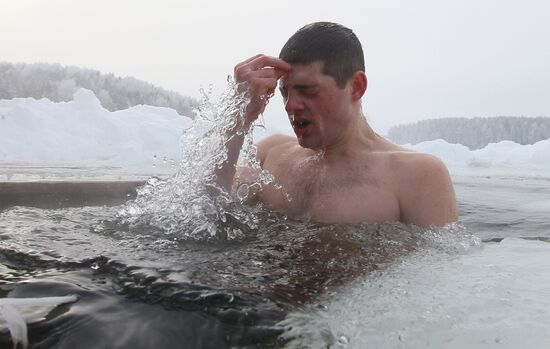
[505, 155]
[83, 132]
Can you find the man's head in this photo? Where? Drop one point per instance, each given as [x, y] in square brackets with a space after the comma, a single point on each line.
[332, 44]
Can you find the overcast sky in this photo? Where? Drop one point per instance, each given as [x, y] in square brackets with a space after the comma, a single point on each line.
[425, 58]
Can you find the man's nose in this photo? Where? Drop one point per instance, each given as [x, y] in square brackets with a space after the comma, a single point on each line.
[293, 103]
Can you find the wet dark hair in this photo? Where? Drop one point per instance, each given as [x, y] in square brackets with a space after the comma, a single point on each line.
[336, 46]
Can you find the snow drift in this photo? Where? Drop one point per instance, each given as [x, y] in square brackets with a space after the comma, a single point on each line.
[83, 132]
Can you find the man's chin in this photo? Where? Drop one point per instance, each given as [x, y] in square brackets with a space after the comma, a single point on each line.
[301, 142]
[306, 143]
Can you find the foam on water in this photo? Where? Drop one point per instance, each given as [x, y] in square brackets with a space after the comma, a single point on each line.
[540, 206]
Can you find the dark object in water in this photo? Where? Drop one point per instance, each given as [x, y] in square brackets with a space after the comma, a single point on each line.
[57, 194]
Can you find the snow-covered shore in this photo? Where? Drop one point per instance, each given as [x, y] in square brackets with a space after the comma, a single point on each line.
[82, 133]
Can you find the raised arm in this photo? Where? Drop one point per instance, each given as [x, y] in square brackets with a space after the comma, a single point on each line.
[259, 75]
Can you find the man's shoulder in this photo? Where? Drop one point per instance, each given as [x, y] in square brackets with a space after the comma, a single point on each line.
[408, 170]
[424, 189]
[276, 139]
[279, 142]
[403, 158]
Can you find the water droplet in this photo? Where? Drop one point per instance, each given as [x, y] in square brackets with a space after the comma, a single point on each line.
[343, 340]
[322, 307]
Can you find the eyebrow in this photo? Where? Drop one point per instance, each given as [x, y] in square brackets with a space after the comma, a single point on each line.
[304, 86]
[299, 86]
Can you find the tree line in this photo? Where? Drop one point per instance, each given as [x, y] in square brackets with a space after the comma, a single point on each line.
[58, 83]
[475, 133]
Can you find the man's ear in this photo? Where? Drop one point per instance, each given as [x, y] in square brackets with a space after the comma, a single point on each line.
[358, 85]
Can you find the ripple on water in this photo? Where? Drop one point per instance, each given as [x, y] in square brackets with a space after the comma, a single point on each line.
[280, 266]
[476, 299]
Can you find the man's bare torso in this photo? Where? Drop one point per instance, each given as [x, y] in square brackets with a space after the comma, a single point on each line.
[358, 188]
[358, 177]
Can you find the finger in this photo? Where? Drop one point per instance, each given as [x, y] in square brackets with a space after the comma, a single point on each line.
[279, 73]
[245, 74]
[247, 61]
[267, 72]
[260, 62]
[268, 61]
[252, 58]
[263, 85]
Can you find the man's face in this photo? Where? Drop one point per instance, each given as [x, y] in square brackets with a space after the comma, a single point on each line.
[317, 108]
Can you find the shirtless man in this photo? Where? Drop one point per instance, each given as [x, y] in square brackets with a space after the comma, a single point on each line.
[336, 169]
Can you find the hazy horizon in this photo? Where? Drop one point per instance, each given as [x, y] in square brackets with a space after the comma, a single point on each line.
[425, 59]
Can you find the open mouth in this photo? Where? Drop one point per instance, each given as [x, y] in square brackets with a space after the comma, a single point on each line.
[301, 124]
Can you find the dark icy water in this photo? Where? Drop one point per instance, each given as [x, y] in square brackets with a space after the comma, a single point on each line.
[141, 287]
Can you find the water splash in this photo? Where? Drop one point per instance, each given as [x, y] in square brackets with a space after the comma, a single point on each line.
[189, 204]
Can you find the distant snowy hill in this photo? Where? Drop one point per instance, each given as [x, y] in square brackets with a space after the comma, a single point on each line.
[59, 83]
[475, 133]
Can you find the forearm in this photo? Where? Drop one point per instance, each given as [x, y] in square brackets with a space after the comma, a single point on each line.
[225, 173]
[259, 75]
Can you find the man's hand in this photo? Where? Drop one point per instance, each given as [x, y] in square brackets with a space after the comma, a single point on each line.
[259, 74]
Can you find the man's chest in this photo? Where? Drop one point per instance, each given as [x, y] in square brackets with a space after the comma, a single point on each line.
[312, 192]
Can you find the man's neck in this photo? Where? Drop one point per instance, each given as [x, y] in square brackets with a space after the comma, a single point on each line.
[357, 137]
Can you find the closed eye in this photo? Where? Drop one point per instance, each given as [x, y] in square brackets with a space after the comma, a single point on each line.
[308, 91]
[305, 90]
